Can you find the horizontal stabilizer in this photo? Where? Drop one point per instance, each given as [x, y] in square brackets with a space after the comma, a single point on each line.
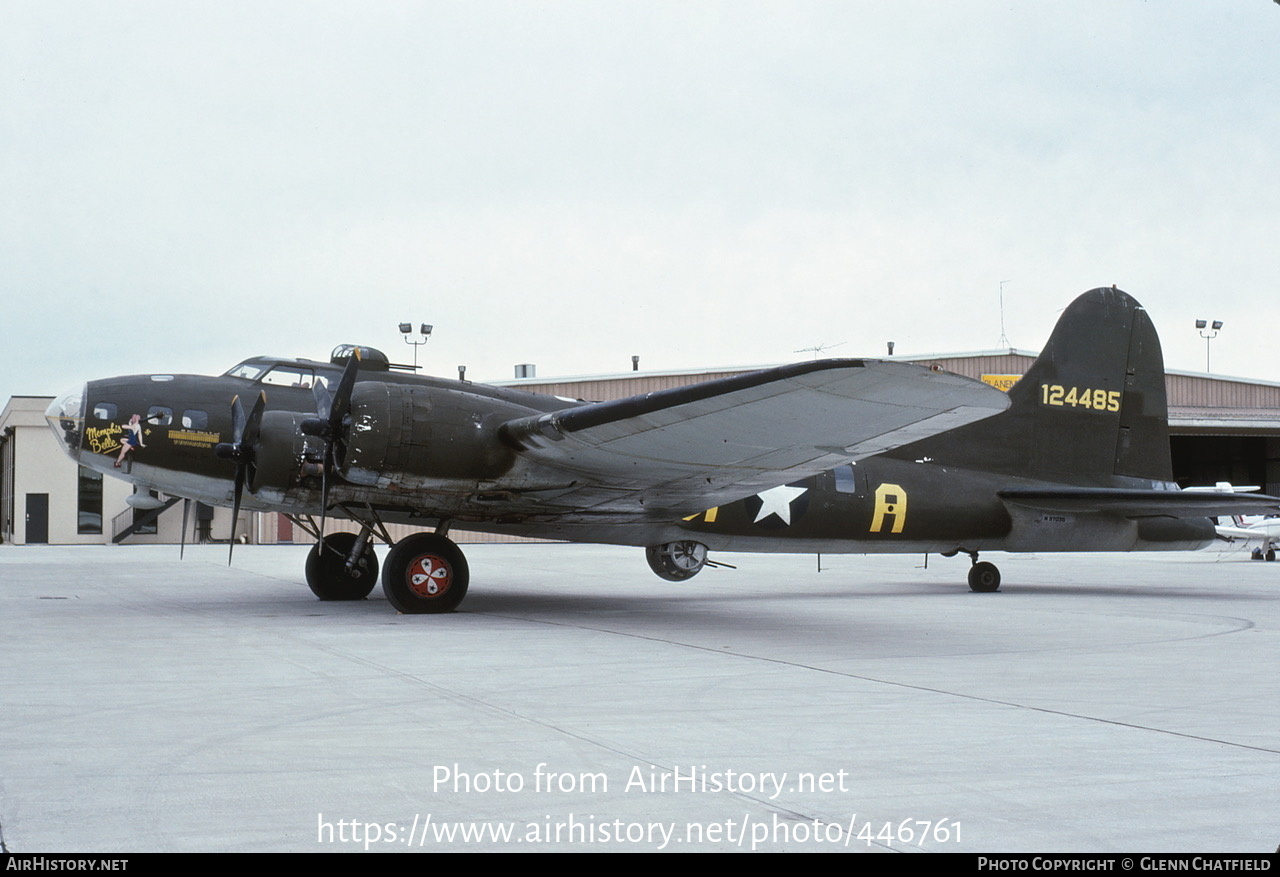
[1141, 503]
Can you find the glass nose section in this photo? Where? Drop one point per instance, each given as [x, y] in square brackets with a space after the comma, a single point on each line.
[66, 419]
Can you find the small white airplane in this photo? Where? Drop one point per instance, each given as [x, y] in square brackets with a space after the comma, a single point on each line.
[1265, 530]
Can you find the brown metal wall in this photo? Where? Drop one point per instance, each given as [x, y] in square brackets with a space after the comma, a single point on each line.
[1211, 392]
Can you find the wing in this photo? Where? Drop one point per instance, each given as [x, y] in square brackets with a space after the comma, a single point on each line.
[1141, 503]
[693, 447]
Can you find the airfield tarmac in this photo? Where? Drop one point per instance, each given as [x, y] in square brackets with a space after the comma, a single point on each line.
[1123, 703]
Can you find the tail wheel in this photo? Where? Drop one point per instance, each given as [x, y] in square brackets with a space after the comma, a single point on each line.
[984, 577]
[327, 573]
[677, 561]
[425, 574]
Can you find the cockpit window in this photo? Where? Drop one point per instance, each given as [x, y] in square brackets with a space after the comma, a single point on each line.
[248, 370]
[104, 411]
[193, 418]
[292, 376]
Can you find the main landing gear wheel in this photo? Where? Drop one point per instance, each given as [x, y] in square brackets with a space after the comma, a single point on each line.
[1271, 554]
[984, 577]
[677, 561]
[425, 573]
[327, 573]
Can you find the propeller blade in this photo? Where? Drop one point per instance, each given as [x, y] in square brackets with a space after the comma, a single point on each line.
[237, 420]
[327, 426]
[320, 393]
[182, 544]
[246, 432]
[235, 512]
[249, 444]
[324, 499]
[342, 396]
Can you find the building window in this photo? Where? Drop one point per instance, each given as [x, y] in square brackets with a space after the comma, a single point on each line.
[89, 503]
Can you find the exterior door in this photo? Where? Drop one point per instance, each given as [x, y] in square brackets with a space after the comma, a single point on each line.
[37, 518]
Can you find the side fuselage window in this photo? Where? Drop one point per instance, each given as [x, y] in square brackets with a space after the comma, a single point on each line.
[158, 415]
[846, 480]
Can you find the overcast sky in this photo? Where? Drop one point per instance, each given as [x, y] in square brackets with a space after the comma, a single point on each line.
[186, 184]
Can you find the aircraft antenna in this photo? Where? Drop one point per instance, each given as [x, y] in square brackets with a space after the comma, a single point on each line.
[818, 348]
[1004, 339]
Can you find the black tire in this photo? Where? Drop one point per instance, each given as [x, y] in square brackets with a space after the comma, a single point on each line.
[677, 561]
[425, 574]
[984, 577]
[1271, 554]
[327, 574]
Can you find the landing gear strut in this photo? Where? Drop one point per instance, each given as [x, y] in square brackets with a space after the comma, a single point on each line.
[332, 576]
[984, 577]
[425, 573]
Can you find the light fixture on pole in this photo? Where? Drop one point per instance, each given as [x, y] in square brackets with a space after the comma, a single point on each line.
[1208, 332]
[406, 329]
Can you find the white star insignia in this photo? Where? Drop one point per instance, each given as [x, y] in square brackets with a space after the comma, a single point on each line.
[777, 501]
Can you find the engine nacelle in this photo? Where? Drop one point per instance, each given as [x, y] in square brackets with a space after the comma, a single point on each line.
[279, 452]
[417, 437]
[677, 561]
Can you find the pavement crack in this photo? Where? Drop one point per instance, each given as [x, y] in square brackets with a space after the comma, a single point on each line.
[908, 685]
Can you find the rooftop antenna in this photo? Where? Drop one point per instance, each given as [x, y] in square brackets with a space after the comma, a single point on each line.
[818, 348]
[1004, 339]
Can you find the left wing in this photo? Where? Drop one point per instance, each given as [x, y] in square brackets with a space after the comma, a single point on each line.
[706, 444]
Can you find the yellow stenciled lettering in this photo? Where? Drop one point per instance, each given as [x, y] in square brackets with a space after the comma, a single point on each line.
[891, 501]
[1080, 397]
[103, 440]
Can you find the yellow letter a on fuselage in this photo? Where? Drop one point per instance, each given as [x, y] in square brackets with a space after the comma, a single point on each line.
[891, 500]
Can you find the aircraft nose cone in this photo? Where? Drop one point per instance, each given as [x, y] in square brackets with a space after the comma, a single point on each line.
[66, 418]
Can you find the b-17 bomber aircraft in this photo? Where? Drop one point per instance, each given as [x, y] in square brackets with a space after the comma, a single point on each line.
[835, 456]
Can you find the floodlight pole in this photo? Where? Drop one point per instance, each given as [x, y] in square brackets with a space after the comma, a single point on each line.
[1208, 331]
[406, 329]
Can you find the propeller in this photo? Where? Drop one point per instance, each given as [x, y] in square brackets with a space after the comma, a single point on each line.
[186, 513]
[327, 425]
[243, 449]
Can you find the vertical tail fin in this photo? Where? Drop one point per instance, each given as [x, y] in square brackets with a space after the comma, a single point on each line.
[1090, 411]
